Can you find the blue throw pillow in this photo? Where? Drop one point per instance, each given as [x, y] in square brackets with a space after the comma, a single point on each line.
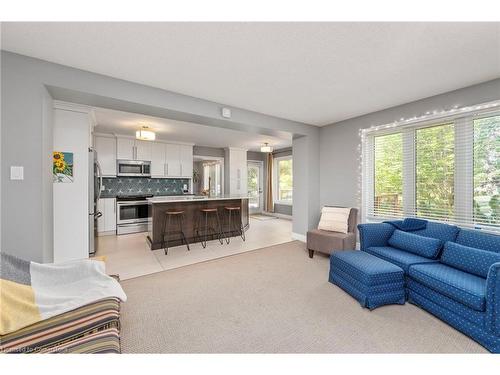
[424, 246]
[469, 259]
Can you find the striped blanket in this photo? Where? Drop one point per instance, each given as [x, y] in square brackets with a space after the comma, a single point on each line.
[93, 328]
[32, 292]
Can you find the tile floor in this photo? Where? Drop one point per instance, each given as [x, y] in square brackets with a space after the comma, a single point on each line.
[130, 256]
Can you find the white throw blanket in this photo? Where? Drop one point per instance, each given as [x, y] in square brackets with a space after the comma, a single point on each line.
[334, 219]
[31, 292]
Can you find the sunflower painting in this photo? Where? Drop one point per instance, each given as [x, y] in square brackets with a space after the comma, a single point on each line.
[62, 166]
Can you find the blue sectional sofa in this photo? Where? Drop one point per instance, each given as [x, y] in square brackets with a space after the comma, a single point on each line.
[452, 273]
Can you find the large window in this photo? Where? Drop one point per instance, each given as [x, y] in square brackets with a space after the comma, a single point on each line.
[388, 199]
[283, 180]
[435, 168]
[487, 170]
[448, 171]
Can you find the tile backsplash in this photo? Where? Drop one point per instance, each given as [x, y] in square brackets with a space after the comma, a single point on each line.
[139, 185]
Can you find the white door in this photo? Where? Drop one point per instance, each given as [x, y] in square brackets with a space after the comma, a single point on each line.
[106, 154]
[158, 160]
[255, 183]
[143, 150]
[125, 148]
[173, 160]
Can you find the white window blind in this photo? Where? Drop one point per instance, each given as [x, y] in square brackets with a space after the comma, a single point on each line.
[445, 169]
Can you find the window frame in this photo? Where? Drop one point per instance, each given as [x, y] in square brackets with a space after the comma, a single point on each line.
[463, 124]
[276, 161]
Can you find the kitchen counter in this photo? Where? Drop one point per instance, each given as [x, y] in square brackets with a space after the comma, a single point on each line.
[191, 206]
[191, 198]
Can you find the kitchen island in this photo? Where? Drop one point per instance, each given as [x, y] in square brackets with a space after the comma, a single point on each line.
[191, 205]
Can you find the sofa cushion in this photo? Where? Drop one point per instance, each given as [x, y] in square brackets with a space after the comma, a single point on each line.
[461, 286]
[479, 240]
[444, 232]
[469, 259]
[398, 257]
[424, 246]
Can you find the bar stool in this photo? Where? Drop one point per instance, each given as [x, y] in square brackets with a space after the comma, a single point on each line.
[209, 214]
[168, 230]
[236, 225]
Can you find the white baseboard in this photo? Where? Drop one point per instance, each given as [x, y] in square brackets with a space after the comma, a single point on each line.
[279, 216]
[282, 216]
[299, 237]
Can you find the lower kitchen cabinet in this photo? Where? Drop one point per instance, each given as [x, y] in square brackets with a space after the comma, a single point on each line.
[107, 222]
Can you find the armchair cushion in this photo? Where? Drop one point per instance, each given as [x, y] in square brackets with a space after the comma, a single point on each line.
[334, 219]
[424, 246]
[469, 290]
[469, 259]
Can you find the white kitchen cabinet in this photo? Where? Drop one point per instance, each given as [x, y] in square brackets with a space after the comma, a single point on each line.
[107, 222]
[133, 149]
[158, 160]
[143, 150]
[106, 154]
[186, 160]
[237, 179]
[125, 148]
[172, 160]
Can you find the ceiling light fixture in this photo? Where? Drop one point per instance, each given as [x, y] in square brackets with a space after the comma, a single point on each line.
[266, 148]
[145, 134]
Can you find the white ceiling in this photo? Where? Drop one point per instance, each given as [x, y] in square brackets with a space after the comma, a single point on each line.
[125, 123]
[317, 73]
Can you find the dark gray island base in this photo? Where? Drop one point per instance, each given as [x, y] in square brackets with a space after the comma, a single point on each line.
[191, 207]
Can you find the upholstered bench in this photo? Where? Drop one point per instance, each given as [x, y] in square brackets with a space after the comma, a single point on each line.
[372, 281]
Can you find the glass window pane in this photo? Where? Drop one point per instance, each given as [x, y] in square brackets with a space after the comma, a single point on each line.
[435, 171]
[388, 200]
[487, 170]
[285, 180]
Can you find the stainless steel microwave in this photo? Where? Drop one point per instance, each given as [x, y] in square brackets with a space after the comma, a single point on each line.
[133, 168]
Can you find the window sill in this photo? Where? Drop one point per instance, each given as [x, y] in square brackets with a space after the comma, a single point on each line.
[284, 203]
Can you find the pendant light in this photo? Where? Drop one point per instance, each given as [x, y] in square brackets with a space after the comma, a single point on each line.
[266, 148]
[145, 134]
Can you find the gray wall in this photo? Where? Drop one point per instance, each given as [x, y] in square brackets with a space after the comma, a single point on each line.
[26, 215]
[339, 157]
[208, 151]
[305, 179]
[27, 219]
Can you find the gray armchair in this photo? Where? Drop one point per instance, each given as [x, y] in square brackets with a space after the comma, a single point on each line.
[326, 241]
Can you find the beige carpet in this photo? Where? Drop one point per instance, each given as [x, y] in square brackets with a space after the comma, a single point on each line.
[271, 300]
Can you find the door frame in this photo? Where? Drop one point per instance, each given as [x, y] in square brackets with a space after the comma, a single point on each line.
[220, 159]
[260, 165]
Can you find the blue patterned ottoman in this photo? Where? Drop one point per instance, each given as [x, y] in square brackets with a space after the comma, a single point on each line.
[371, 280]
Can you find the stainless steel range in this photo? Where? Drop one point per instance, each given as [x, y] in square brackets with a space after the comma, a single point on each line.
[133, 214]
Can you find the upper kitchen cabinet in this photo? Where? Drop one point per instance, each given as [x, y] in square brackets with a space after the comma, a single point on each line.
[105, 147]
[186, 160]
[173, 161]
[143, 150]
[133, 149]
[158, 160]
[125, 148]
